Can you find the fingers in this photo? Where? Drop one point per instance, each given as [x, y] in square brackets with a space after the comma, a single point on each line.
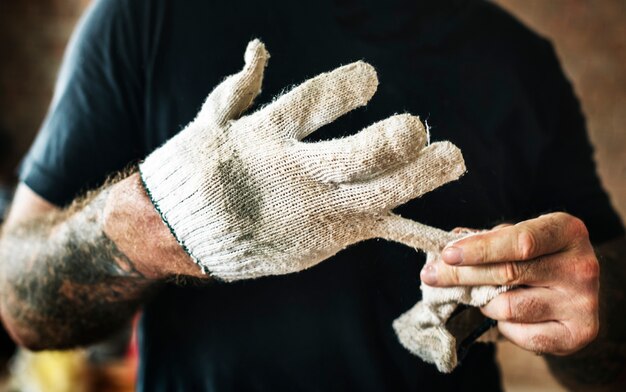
[552, 337]
[556, 320]
[317, 102]
[538, 272]
[525, 305]
[236, 93]
[540, 304]
[376, 149]
[524, 241]
[436, 165]
[539, 338]
[414, 234]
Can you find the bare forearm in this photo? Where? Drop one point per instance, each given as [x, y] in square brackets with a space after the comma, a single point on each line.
[601, 366]
[73, 277]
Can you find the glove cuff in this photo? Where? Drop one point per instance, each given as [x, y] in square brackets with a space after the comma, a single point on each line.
[174, 189]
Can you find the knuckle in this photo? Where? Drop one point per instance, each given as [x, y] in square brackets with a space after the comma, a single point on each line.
[577, 227]
[579, 335]
[588, 270]
[593, 330]
[454, 275]
[482, 248]
[508, 273]
[508, 310]
[526, 244]
[585, 335]
[560, 215]
[589, 305]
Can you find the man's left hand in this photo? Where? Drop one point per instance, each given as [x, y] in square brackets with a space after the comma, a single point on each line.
[550, 260]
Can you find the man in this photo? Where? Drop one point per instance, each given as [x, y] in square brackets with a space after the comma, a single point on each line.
[137, 72]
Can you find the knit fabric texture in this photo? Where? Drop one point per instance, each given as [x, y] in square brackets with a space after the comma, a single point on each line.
[246, 198]
[422, 329]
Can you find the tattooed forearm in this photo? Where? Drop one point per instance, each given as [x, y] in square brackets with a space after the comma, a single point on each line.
[601, 366]
[64, 282]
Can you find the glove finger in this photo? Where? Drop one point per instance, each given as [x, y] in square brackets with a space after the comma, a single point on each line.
[420, 332]
[374, 150]
[236, 93]
[436, 165]
[395, 228]
[317, 102]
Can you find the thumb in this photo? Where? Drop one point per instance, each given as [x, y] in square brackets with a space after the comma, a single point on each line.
[236, 93]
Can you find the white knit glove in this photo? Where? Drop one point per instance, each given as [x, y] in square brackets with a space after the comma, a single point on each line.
[245, 197]
[422, 329]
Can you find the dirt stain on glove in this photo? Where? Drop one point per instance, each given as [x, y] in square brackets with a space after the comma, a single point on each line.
[242, 197]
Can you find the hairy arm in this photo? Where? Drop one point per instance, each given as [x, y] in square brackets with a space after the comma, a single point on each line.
[71, 277]
[601, 366]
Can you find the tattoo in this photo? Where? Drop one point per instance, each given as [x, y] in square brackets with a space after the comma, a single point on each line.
[65, 281]
[602, 364]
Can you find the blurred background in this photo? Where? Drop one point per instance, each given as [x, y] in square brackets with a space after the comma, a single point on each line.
[590, 38]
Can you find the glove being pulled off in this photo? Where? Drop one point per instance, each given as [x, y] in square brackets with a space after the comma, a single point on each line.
[246, 198]
[422, 329]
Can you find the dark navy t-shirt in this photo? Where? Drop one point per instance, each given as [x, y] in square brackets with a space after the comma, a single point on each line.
[137, 72]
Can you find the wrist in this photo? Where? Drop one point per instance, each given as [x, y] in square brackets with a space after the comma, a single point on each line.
[132, 222]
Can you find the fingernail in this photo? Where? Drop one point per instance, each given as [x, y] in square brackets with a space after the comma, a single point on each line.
[429, 274]
[452, 255]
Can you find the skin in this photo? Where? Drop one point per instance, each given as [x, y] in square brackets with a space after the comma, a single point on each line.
[563, 306]
[98, 260]
[72, 277]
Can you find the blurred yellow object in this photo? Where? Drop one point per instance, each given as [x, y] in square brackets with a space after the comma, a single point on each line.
[49, 371]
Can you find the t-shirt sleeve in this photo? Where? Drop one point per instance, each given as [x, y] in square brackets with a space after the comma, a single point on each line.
[566, 176]
[91, 128]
